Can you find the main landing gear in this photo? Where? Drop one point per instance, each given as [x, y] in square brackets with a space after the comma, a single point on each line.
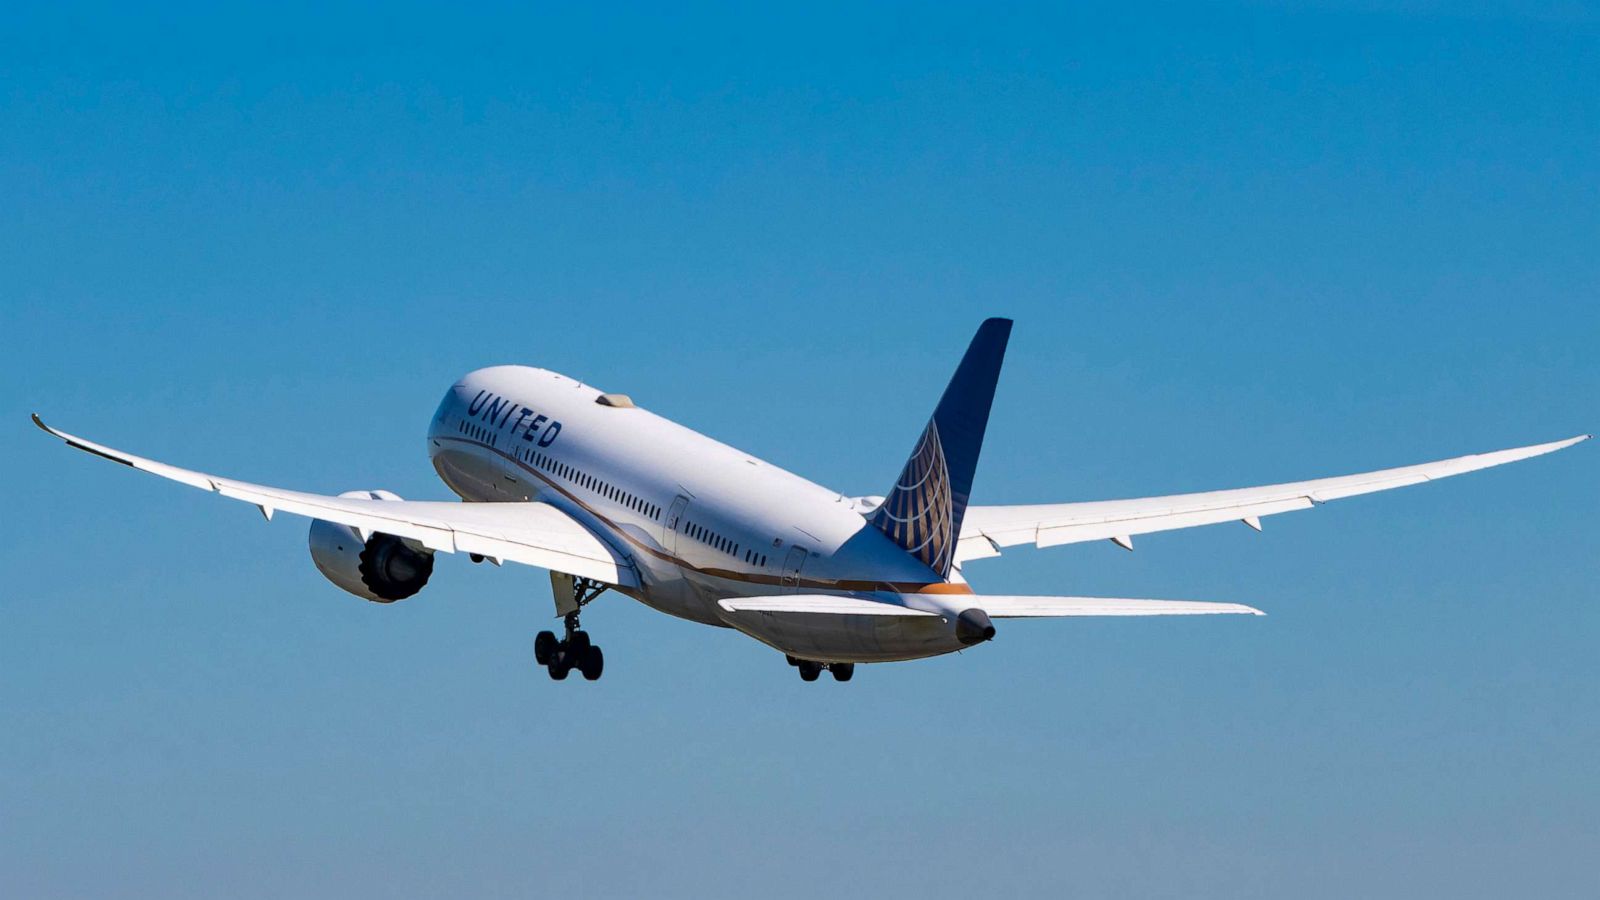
[811, 670]
[573, 650]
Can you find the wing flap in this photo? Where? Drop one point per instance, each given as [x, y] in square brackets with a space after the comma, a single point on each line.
[535, 534]
[1164, 521]
[344, 510]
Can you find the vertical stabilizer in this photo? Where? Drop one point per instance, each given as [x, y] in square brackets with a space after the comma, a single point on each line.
[924, 510]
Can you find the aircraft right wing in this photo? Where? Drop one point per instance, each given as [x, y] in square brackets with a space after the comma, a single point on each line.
[988, 528]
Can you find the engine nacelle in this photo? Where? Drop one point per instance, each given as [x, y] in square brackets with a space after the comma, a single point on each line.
[383, 569]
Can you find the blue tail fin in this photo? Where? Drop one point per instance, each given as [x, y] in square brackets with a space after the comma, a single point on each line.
[924, 510]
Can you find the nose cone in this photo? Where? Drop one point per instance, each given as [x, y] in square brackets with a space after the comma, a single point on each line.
[973, 627]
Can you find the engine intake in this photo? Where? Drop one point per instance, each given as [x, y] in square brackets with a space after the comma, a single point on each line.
[382, 569]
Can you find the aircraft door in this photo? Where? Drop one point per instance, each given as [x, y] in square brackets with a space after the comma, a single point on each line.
[670, 523]
[790, 579]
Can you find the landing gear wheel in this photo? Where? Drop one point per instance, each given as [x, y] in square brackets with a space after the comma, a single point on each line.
[842, 671]
[560, 665]
[809, 670]
[578, 644]
[792, 660]
[544, 647]
[574, 650]
[592, 663]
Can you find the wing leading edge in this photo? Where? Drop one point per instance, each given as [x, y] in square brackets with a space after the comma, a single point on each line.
[535, 534]
[988, 528]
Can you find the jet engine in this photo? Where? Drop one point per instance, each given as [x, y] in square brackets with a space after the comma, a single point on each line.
[383, 568]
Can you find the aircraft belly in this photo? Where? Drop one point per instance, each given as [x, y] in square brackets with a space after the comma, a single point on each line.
[848, 638]
[468, 475]
[668, 589]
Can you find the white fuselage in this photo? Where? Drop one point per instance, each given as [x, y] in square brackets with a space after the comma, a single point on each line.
[699, 520]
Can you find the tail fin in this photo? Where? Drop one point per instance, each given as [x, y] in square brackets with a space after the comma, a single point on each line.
[924, 510]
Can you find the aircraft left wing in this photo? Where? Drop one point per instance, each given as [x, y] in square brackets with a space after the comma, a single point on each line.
[988, 528]
[535, 534]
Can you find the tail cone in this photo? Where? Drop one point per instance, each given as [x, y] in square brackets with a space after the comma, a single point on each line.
[973, 627]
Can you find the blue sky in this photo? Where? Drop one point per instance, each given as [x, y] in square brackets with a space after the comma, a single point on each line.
[1243, 243]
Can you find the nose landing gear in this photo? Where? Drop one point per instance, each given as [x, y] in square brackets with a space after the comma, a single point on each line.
[811, 670]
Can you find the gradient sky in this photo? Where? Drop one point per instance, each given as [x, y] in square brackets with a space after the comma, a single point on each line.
[1242, 244]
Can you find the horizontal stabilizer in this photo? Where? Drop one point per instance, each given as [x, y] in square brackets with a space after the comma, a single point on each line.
[1040, 607]
[998, 607]
[820, 604]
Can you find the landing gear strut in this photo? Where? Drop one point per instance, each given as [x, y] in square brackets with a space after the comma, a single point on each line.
[573, 650]
[811, 670]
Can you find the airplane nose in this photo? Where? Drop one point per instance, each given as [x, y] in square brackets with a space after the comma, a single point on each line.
[973, 627]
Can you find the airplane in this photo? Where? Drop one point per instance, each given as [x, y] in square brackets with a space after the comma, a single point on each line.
[554, 473]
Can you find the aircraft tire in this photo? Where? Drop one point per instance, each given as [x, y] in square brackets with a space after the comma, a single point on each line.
[809, 670]
[842, 671]
[592, 664]
[544, 647]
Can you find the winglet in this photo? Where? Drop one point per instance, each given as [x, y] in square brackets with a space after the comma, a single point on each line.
[183, 476]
